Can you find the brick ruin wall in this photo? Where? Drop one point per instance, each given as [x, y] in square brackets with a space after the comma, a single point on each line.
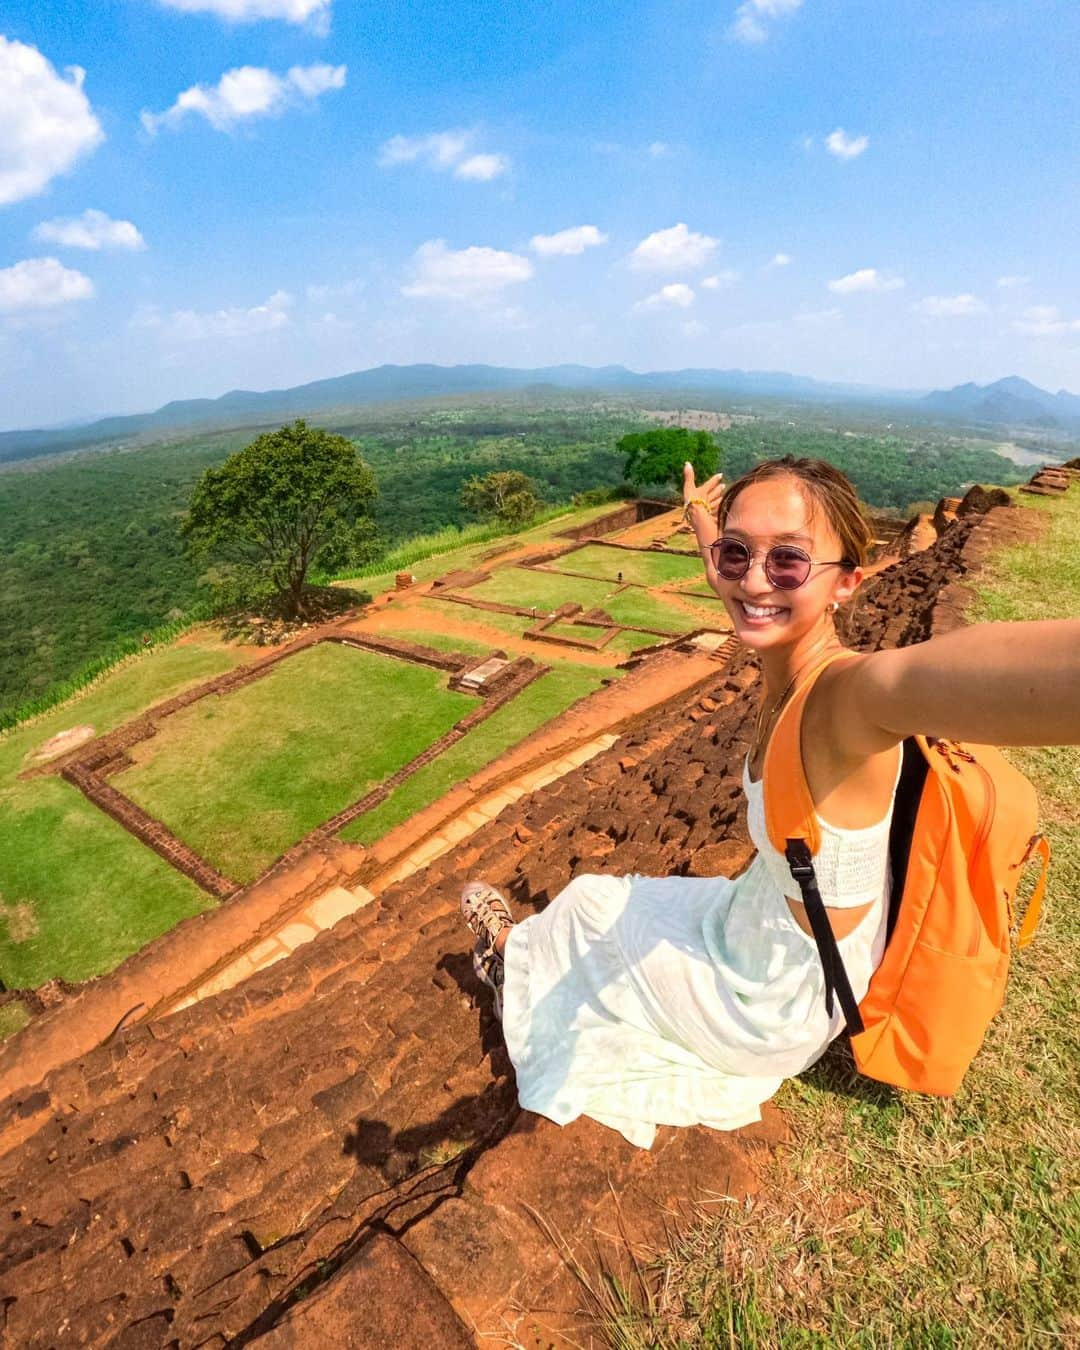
[277, 1164]
[631, 513]
[89, 767]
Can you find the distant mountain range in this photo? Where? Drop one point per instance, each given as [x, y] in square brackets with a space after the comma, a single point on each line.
[1011, 401]
[1008, 402]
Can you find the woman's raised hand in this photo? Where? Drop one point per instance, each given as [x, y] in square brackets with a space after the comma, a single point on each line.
[705, 497]
[700, 507]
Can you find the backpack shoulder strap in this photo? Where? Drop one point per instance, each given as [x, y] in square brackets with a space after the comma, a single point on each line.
[789, 806]
[793, 830]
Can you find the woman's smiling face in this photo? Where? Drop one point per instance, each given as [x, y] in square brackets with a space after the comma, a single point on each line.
[777, 511]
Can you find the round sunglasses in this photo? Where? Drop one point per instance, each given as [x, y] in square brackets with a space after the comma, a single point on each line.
[786, 566]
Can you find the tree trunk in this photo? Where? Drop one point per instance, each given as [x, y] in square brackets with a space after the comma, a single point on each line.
[295, 597]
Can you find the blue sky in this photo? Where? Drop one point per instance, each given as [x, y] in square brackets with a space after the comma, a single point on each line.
[198, 195]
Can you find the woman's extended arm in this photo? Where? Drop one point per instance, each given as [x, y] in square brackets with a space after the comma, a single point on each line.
[700, 514]
[991, 684]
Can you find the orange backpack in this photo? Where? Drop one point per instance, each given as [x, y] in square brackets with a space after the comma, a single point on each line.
[963, 827]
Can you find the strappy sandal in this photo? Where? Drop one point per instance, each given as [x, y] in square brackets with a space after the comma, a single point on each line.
[487, 914]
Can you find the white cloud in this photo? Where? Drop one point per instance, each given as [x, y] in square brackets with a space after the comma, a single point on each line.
[441, 151]
[319, 294]
[482, 168]
[720, 280]
[676, 296]
[658, 149]
[473, 274]
[779, 260]
[566, 242]
[47, 121]
[672, 250]
[1012, 282]
[245, 93]
[189, 325]
[41, 283]
[843, 146]
[694, 328]
[314, 13]
[950, 306]
[1045, 321]
[92, 230]
[751, 20]
[320, 78]
[865, 279]
[813, 316]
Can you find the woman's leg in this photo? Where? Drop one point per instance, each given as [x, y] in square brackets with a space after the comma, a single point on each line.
[488, 916]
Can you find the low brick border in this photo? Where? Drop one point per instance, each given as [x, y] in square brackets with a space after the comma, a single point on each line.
[89, 770]
[574, 614]
[660, 547]
[590, 619]
[147, 828]
[631, 513]
[507, 685]
[542, 634]
[113, 743]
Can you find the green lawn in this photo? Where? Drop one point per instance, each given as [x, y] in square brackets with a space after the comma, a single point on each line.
[702, 588]
[893, 1220]
[542, 700]
[583, 632]
[443, 642]
[646, 610]
[632, 605]
[124, 692]
[13, 1017]
[242, 777]
[641, 569]
[546, 590]
[627, 641]
[453, 559]
[77, 892]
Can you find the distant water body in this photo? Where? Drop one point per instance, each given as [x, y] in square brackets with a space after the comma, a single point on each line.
[1019, 455]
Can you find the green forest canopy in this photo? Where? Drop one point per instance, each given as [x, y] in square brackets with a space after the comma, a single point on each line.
[90, 553]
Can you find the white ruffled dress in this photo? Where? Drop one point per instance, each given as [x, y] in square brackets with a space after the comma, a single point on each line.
[646, 1001]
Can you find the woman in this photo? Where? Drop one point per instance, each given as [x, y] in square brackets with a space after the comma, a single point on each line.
[643, 1001]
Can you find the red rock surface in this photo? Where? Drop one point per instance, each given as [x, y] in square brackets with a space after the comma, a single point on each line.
[336, 1142]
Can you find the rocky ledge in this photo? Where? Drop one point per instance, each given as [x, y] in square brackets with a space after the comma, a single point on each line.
[332, 1152]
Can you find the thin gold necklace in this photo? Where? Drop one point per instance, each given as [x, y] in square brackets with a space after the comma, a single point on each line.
[764, 723]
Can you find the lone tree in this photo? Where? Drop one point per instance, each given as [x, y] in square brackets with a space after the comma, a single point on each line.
[291, 498]
[658, 455]
[507, 496]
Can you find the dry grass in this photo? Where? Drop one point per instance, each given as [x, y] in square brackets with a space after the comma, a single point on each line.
[894, 1220]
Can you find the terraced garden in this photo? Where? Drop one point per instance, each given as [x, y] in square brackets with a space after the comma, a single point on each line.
[546, 698]
[240, 777]
[543, 591]
[638, 567]
[243, 777]
[78, 893]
